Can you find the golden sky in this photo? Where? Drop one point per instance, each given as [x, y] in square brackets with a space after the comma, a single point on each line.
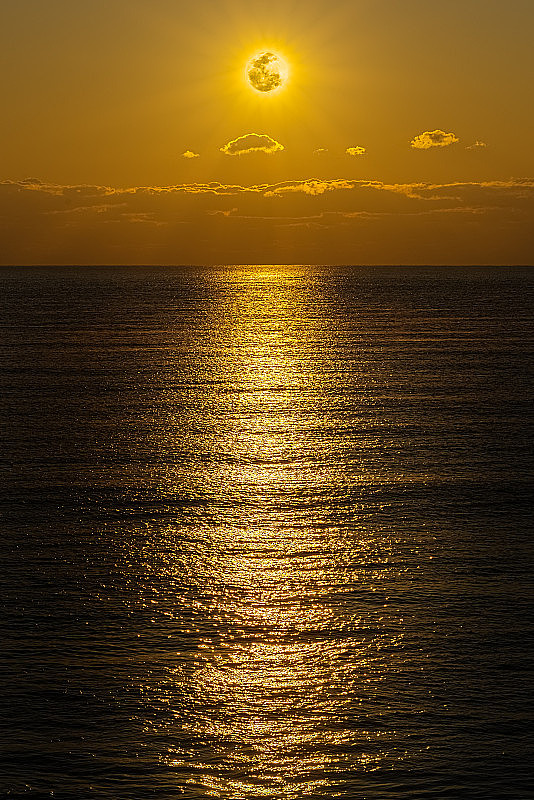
[402, 133]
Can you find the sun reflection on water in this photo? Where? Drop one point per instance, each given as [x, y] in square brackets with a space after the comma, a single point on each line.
[272, 573]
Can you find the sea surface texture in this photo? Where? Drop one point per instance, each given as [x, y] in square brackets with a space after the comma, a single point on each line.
[266, 532]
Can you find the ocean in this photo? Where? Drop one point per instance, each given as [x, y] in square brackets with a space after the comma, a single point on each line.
[266, 532]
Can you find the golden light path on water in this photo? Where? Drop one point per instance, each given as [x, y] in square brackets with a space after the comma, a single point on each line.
[275, 580]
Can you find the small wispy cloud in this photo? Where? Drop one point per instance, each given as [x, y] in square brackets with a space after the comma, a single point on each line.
[251, 143]
[320, 151]
[190, 154]
[355, 151]
[142, 218]
[217, 212]
[428, 139]
[476, 145]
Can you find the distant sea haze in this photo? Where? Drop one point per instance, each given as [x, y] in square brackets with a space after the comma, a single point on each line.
[266, 532]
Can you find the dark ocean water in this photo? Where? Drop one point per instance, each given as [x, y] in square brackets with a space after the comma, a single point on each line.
[267, 533]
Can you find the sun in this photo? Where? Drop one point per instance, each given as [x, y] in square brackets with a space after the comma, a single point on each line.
[267, 72]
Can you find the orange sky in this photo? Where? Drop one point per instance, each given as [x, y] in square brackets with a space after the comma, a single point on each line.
[403, 133]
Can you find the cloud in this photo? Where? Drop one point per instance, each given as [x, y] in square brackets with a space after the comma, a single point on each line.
[220, 212]
[93, 195]
[311, 220]
[102, 208]
[311, 187]
[42, 187]
[214, 187]
[476, 145]
[251, 143]
[190, 154]
[320, 151]
[141, 218]
[425, 212]
[355, 151]
[428, 139]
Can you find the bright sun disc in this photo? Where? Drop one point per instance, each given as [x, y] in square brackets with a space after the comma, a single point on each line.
[267, 72]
